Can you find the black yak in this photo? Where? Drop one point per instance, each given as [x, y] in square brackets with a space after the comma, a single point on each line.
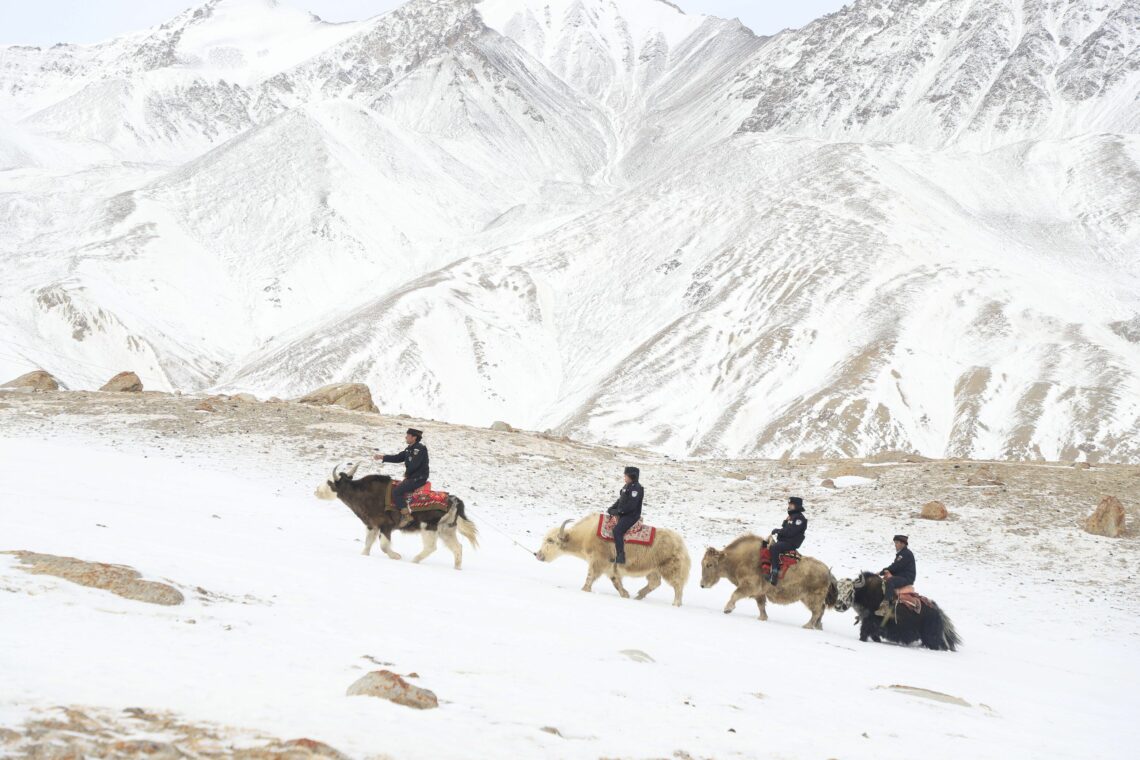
[930, 624]
[368, 498]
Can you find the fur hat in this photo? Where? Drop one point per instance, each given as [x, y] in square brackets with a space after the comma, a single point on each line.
[416, 433]
[796, 502]
[901, 537]
[633, 472]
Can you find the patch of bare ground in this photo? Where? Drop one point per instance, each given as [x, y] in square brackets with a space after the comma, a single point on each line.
[74, 733]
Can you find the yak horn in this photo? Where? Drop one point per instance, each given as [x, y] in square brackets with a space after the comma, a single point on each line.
[335, 468]
[562, 528]
[352, 470]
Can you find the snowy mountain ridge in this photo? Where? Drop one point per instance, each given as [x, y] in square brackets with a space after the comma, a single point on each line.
[907, 225]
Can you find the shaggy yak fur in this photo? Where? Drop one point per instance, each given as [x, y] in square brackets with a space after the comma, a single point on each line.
[931, 626]
[667, 558]
[808, 581]
[367, 499]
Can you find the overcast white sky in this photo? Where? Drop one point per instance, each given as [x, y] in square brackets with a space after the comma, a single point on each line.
[43, 22]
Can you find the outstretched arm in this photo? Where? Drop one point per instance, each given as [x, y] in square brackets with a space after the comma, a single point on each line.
[403, 455]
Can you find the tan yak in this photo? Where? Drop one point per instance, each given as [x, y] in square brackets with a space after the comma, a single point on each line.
[667, 558]
[808, 581]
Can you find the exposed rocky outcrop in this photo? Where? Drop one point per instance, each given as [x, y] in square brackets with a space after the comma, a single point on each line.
[124, 382]
[71, 733]
[1107, 519]
[388, 685]
[118, 579]
[39, 380]
[354, 396]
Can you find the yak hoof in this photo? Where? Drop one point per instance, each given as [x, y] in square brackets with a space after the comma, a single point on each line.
[394, 555]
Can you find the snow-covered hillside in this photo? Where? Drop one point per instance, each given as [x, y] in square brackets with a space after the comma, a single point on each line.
[907, 225]
[281, 613]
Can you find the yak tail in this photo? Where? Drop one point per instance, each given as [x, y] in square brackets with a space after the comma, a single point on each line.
[949, 633]
[832, 590]
[466, 528]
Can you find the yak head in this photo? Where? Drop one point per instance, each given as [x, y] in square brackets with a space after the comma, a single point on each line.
[865, 591]
[711, 567]
[845, 594]
[554, 544]
[329, 489]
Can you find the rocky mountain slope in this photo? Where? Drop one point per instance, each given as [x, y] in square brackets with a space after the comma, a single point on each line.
[907, 225]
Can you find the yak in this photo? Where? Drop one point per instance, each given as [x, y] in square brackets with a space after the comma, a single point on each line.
[368, 499]
[930, 625]
[667, 558]
[808, 581]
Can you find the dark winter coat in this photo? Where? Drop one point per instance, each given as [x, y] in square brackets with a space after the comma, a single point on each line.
[415, 459]
[629, 500]
[903, 567]
[791, 533]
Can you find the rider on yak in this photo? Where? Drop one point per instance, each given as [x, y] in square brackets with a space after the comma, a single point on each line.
[789, 536]
[415, 459]
[627, 509]
[901, 573]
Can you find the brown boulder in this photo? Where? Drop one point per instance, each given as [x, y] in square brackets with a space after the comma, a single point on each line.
[1107, 519]
[118, 579]
[124, 382]
[1082, 466]
[502, 427]
[934, 510]
[354, 396]
[388, 685]
[828, 483]
[39, 380]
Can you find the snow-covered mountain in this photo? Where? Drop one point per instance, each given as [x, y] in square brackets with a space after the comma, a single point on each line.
[973, 73]
[907, 225]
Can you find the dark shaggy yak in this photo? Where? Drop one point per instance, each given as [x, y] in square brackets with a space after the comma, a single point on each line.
[368, 500]
[931, 626]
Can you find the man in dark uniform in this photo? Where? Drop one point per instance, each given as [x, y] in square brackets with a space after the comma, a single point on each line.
[789, 536]
[415, 459]
[902, 572]
[628, 510]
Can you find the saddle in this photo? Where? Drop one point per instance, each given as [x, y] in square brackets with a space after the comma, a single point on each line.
[419, 500]
[911, 598]
[787, 559]
[640, 533]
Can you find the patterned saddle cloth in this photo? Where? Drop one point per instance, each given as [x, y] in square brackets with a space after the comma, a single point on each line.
[911, 598]
[787, 559]
[640, 533]
[423, 498]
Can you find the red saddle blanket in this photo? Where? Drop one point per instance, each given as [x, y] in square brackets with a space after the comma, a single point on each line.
[787, 559]
[424, 498]
[640, 533]
[911, 598]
